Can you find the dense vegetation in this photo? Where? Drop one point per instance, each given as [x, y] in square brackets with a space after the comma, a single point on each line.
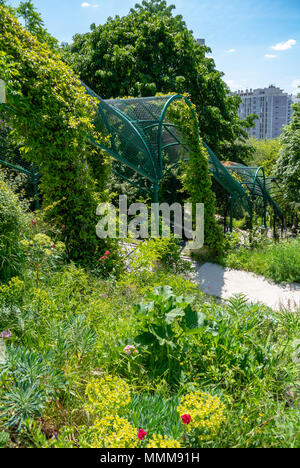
[152, 342]
[152, 51]
[50, 100]
[278, 261]
[123, 350]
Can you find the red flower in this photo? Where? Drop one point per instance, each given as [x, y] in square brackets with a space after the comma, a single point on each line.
[141, 434]
[63, 226]
[33, 222]
[186, 418]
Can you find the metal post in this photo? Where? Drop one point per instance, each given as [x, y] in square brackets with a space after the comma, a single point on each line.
[231, 213]
[34, 179]
[265, 213]
[155, 189]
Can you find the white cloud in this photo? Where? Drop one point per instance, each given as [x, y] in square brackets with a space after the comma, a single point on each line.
[88, 5]
[270, 56]
[231, 51]
[284, 45]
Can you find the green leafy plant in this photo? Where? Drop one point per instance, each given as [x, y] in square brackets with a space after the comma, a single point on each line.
[28, 383]
[166, 324]
[14, 224]
[44, 99]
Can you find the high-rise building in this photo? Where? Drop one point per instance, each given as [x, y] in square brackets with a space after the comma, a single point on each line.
[273, 108]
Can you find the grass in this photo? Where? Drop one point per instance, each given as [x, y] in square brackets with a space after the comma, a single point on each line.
[278, 261]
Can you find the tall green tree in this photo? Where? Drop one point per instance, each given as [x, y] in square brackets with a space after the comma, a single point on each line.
[266, 154]
[152, 51]
[35, 24]
[288, 164]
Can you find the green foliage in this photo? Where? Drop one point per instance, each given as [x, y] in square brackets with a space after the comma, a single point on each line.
[195, 177]
[152, 51]
[288, 164]
[35, 25]
[73, 330]
[279, 261]
[4, 439]
[53, 118]
[14, 222]
[165, 323]
[27, 385]
[266, 154]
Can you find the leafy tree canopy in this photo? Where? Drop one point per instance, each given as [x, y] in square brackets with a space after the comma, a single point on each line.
[152, 51]
[288, 164]
[266, 154]
[33, 22]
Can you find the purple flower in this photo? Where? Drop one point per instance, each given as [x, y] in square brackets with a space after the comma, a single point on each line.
[6, 334]
[129, 348]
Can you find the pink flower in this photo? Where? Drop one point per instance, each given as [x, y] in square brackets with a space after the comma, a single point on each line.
[186, 418]
[6, 334]
[63, 226]
[141, 434]
[129, 348]
[107, 253]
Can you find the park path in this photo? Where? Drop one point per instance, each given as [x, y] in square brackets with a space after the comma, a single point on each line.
[225, 282]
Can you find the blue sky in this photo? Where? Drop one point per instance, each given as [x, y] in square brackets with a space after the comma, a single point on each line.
[254, 42]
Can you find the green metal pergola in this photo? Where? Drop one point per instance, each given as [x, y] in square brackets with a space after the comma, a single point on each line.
[140, 137]
[145, 144]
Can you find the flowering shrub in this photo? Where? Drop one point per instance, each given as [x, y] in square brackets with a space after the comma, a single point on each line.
[43, 252]
[109, 432]
[107, 395]
[111, 262]
[158, 441]
[12, 292]
[202, 414]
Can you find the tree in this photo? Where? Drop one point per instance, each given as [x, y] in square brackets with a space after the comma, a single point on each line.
[288, 164]
[35, 25]
[151, 51]
[266, 154]
[51, 115]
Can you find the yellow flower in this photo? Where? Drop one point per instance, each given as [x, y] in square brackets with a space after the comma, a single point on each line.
[112, 432]
[206, 411]
[158, 441]
[107, 395]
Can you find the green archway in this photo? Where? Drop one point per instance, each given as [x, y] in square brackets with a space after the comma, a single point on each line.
[140, 136]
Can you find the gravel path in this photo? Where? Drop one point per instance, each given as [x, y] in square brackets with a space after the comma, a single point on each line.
[224, 283]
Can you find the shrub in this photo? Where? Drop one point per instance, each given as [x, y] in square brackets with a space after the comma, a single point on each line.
[14, 223]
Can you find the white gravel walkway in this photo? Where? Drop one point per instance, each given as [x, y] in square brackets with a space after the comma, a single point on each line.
[224, 283]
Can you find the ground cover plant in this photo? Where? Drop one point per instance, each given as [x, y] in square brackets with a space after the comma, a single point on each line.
[232, 373]
[276, 260]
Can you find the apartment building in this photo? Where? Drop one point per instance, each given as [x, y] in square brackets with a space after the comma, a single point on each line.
[273, 108]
